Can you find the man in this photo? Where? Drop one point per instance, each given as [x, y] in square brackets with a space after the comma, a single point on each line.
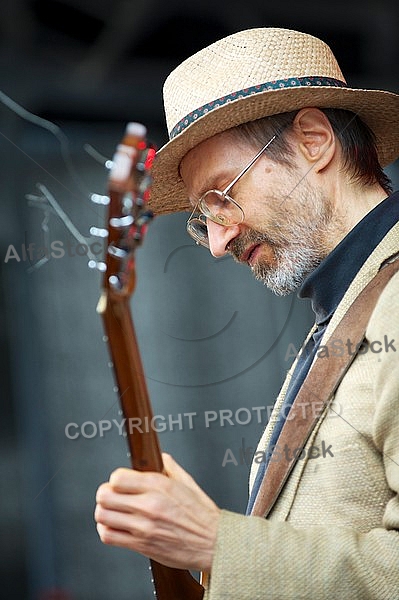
[280, 164]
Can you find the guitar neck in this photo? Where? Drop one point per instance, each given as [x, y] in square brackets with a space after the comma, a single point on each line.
[132, 389]
[145, 453]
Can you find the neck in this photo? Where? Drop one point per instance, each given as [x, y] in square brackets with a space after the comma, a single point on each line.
[361, 202]
[352, 203]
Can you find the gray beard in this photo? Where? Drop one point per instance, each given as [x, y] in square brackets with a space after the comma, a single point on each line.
[300, 240]
[293, 266]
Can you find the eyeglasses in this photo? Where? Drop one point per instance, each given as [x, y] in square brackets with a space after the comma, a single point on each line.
[219, 207]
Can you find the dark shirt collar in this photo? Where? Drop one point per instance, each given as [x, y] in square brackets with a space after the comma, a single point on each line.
[327, 284]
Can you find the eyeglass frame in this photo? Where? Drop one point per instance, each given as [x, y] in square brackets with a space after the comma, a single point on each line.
[198, 221]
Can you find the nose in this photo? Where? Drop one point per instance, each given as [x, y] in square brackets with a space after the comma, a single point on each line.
[219, 237]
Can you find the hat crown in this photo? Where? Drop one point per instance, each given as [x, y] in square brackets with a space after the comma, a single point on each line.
[243, 60]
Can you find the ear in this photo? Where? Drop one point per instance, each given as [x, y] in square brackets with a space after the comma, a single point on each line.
[315, 137]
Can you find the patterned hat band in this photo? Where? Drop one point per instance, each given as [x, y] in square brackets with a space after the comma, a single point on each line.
[250, 91]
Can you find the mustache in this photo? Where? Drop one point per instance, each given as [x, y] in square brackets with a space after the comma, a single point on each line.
[238, 245]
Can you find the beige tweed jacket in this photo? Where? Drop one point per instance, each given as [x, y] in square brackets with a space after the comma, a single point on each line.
[334, 531]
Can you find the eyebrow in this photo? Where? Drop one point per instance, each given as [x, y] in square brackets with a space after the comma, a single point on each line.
[204, 188]
[208, 184]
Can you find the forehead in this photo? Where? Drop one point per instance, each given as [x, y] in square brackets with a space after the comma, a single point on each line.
[219, 156]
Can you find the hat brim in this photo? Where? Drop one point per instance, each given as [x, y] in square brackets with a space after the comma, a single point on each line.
[379, 109]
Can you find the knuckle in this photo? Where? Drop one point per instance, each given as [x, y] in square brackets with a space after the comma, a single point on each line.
[99, 513]
[106, 535]
[167, 485]
[156, 507]
[155, 480]
[118, 477]
[146, 507]
[147, 534]
[102, 493]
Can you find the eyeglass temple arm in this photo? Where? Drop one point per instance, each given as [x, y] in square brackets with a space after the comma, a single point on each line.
[255, 158]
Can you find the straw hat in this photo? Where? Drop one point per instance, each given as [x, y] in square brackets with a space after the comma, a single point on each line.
[252, 74]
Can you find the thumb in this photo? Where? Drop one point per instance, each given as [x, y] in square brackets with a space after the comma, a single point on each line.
[173, 470]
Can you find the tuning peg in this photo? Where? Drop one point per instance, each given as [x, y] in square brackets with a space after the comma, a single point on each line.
[100, 199]
[98, 232]
[99, 265]
[115, 282]
[145, 183]
[122, 222]
[127, 203]
[145, 218]
[117, 252]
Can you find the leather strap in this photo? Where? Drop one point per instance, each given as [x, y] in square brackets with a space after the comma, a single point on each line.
[318, 389]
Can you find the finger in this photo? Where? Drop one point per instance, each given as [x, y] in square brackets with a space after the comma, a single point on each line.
[116, 519]
[130, 481]
[113, 537]
[108, 498]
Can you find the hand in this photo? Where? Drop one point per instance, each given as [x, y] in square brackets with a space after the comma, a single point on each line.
[165, 516]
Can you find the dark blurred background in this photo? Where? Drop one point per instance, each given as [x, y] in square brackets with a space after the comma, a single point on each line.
[212, 339]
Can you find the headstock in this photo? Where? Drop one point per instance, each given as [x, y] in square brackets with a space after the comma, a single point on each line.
[128, 214]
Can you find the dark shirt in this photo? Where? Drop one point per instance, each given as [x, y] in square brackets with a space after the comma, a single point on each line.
[326, 286]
